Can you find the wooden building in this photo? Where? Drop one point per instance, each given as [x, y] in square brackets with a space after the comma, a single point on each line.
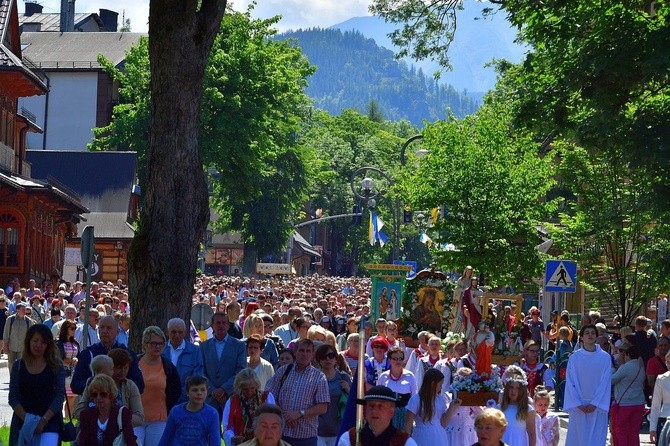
[36, 216]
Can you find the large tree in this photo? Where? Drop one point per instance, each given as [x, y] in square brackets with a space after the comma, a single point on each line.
[164, 251]
[611, 231]
[492, 184]
[597, 73]
[251, 113]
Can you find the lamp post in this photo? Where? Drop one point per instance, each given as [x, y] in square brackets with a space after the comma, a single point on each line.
[118, 248]
[419, 153]
[368, 192]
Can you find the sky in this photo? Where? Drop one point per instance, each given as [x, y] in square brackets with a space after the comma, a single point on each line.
[295, 13]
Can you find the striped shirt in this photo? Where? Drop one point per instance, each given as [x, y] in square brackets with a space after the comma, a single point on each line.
[300, 391]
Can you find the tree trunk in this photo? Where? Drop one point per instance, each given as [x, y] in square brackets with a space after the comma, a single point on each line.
[163, 255]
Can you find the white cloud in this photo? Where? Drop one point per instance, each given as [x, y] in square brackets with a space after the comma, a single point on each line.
[307, 13]
[295, 13]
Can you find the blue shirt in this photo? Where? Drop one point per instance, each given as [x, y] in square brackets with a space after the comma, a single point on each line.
[185, 428]
[219, 346]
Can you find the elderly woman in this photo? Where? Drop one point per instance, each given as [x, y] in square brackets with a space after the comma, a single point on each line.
[255, 361]
[490, 425]
[162, 386]
[351, 353]
[401, 381]
[100, 424]
[268, 427]
[238, 413]
[378, 364]
[339, 383]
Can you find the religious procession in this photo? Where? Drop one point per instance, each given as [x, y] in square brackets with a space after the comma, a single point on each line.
[329, 361]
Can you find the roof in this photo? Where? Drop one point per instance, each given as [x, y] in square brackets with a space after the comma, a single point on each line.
[112, 225]
[51, 20]
[76, 50]
[300, 242]
[15, 71]
[102, 179]
[57, 192]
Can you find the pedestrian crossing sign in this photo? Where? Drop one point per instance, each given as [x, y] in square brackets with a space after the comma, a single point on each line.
[560, 276]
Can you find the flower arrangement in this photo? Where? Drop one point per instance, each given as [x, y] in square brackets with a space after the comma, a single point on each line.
[475, 383]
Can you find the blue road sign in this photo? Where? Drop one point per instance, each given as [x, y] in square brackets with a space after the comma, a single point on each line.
[411, 263]
[560, 276]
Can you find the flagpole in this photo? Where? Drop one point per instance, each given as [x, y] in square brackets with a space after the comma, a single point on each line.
[360, 374]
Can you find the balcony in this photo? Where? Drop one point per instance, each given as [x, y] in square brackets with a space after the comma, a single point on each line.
[6, 157]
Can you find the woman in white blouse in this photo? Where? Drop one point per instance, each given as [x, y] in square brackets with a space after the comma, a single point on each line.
[659, 430]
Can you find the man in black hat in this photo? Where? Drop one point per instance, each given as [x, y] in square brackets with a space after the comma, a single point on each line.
[380, 402]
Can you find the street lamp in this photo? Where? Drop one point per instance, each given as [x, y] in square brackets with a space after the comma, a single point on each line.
[419, 153]
[367, 191]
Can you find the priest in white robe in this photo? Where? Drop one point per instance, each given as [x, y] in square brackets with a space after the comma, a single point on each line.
[587, 392]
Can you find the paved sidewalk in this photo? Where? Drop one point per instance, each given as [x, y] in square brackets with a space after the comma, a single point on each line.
[644, 432]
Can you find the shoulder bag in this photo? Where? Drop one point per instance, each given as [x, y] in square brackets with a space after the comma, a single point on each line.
[614, 407]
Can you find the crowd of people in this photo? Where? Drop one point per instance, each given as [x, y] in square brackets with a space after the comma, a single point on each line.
[278, 363]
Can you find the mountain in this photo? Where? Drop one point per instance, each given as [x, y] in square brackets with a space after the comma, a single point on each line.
[353, 70]
[477, 41]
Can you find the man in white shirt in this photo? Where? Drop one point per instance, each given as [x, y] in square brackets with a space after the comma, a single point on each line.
[93, 319]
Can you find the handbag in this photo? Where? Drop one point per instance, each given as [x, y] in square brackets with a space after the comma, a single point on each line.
[119, 440]
[68, 431]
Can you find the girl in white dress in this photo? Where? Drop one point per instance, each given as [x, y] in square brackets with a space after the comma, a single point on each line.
[520, 415]
[461, 427]
[549, 433]
[431, 411]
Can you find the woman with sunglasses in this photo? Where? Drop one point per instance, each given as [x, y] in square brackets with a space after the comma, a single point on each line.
[339, 384]
[401, 381]
[99, 425]
[378, 364]
[69, 349]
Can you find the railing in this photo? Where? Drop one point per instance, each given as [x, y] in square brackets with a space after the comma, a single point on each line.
[28, 114]
[68, 64]
[27, 170]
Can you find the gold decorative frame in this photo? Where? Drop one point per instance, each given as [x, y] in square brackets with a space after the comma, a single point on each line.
[516, 298]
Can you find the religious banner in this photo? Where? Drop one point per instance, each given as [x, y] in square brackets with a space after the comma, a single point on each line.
[426, 305]
[387, 290]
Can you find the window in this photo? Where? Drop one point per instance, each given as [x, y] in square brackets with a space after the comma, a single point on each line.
[9, 240]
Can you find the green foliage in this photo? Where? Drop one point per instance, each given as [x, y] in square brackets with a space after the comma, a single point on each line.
[492, 184]
[610, 230]
[252, 111]
[599, 77]
[341, 145]
[427, 28]
[353, 70]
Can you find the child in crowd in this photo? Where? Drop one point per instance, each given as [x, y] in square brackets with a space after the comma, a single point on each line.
[431, 411]
[549, 433]
[564, 344]
[521, 418]
[193, 422]
[286, 356]
[461, 427]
